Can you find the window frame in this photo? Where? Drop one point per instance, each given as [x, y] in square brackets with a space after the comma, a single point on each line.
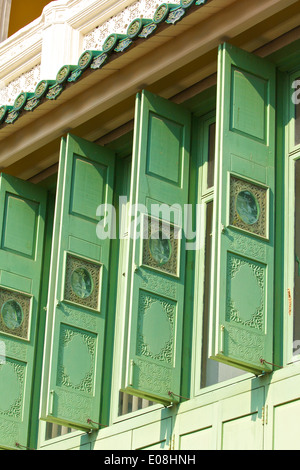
[204, 196]
[291, 155]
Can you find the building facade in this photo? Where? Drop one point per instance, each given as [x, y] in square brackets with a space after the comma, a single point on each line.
[149, 214]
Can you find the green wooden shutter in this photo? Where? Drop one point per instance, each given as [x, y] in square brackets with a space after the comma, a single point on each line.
[161, 177]
[22, 223]
[242, 300]
[78, 286]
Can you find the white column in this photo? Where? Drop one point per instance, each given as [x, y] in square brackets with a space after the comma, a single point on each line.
[5, 6]
[61, 43]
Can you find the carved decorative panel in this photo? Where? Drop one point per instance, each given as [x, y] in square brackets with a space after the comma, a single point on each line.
[79, 406]
[248, 246]
[153, 377]
[119, 22]
[155, 331]
[248, 206]
[245, 345]
[15, 310]
[245, 303]
[83, 282]
[159, 285]
[161, 246]
[12, 378]
[76, 365]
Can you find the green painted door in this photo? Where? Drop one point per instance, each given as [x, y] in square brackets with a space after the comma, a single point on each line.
[242, 300]
[22, 222]
[73, 358]
[160, 191]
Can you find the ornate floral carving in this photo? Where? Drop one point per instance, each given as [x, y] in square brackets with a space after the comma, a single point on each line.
[159, 231]
[3, 111]
[123, 44]
[21, 327]
[161, 13]
[20, 101]
[147, 30]
[119, 23]
[75, 75]
[78, 318]
[249, 247]
[175, 15]
[244, 345]
[169, 309]
[87, 382]
[73, 264]
[27, 81]
[15, 409]
[186, 3]
[153, 377]
[32, 104]
[99, 61]
[76, 405]
[159, 285]
[12, 117]
[259, 193]
[54, 91]
[234, 265]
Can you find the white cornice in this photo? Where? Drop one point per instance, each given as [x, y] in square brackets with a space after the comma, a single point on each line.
[83, 23]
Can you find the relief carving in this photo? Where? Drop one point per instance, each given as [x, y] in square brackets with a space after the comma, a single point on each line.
[86, 383]
[245, 313]
[163, 317]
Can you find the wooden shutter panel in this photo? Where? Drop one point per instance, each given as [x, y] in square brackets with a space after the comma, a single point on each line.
[161, 176]
[22, 224]
[73, 358]
[242, 294]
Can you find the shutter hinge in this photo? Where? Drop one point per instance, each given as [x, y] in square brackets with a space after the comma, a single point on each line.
[131, 372]
[222, 332]
[264, 416]
[172, 442]
[298, 261]
[51, 402]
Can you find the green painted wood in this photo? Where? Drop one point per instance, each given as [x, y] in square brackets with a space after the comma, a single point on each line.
[282, 410]
[77, 302]
[242, 297]
[161, 176]
[34, 426]
[22, 216]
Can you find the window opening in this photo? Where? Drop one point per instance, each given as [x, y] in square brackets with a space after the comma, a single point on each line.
[297, 116]
[212, 372]
[297, 258]
[211, 155]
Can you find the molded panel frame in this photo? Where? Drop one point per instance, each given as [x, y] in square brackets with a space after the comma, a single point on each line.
[64, 280]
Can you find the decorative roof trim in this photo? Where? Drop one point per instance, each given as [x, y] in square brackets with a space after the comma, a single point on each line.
[140, 28]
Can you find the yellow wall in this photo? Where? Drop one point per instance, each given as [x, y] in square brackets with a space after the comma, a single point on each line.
[23, 12]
